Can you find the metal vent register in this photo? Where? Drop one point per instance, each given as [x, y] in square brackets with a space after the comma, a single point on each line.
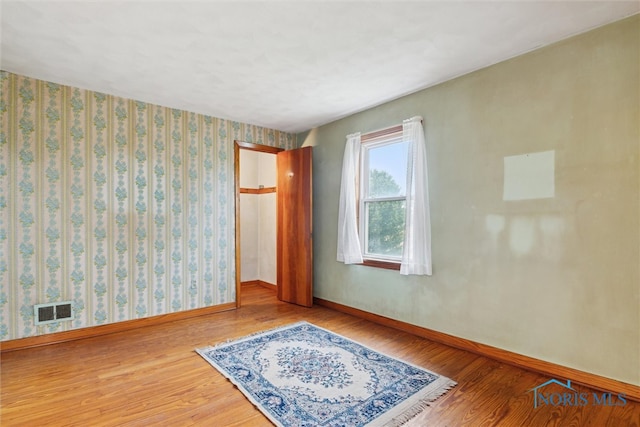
[52, 312]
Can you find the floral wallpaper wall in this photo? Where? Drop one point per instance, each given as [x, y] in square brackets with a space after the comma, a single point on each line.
[122, 207]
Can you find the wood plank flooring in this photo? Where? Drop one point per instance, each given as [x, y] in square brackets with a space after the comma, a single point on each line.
[152, 377]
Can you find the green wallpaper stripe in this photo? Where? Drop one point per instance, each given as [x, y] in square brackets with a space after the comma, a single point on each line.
[4, 170]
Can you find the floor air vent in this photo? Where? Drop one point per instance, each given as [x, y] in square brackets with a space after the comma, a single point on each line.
[52, 312]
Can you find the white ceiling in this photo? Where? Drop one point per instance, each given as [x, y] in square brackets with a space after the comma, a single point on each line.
[284, 65]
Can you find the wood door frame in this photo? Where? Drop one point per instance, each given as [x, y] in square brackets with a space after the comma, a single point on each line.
[237, 146]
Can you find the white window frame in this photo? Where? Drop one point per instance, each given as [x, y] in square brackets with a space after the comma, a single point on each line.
[371, 141]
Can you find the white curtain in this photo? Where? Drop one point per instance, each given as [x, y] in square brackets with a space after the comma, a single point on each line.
[349, 250]
[416, 253]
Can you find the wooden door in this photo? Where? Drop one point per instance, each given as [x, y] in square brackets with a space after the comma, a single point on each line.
[294, 227]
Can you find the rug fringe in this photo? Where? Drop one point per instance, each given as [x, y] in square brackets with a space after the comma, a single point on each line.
[420, 406]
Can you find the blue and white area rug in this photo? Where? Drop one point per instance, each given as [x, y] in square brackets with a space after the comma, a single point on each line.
[304, 375]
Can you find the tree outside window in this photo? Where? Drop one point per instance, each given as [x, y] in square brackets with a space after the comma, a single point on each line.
[382, 220]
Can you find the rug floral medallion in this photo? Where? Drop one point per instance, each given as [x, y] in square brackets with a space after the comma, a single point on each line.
[304, 375]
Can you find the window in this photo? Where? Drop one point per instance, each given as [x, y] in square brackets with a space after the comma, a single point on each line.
[382, 208]
[383, 212]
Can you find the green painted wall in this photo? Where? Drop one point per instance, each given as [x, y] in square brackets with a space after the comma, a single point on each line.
[556, 278]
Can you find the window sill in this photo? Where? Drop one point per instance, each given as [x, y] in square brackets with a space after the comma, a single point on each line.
[381, 264]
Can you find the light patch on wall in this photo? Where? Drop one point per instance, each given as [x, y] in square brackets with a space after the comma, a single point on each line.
[552, 228]
[522, 235]
[494, 225]
[529, 176]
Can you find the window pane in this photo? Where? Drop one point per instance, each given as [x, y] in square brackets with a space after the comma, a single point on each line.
[385, 227]
[388, 170]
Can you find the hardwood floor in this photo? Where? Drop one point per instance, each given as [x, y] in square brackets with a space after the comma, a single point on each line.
[152, 376]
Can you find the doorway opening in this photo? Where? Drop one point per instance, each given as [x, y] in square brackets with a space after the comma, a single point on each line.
[255, 211]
